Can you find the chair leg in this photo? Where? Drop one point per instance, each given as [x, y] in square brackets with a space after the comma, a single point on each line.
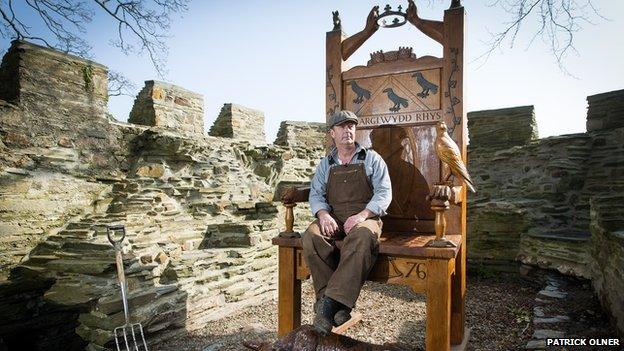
[438, 335]
[458, 298]
[289, 292]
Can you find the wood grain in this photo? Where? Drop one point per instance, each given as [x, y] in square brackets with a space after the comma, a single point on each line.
[289, 292]
[454, 22]
[438, 306]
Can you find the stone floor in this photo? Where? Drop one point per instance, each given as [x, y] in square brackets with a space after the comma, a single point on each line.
[564, 308]
[505, 311]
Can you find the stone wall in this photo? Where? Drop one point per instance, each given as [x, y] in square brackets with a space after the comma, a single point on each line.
[605, 111]
[241, 123]
[503, 127]
[169, 106]
[530, 206]
[552, 202]
[54, 115]
[40, 77]
[58, 149]
[604, 187]
[298, 134]
[197, 210]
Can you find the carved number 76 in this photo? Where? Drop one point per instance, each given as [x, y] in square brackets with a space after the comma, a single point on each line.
[420, 272]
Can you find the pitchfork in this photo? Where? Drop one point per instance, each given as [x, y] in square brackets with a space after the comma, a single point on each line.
[122, 331]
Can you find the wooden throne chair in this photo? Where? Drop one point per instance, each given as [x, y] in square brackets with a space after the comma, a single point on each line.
[398, 98]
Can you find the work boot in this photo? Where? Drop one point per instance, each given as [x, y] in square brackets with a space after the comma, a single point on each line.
[324, 318]
[342, 316]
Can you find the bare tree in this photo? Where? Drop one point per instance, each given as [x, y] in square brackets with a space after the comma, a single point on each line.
[556, 23]
[119, 85]
[142, 25]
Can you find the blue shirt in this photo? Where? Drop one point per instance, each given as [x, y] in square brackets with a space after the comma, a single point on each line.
[377, 173]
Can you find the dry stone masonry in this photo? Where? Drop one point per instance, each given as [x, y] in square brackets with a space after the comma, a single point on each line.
[165, 105]
[554, 202]
[605, 111]
[503, 127]
[300, 135]
[200, 210]
[240, 122]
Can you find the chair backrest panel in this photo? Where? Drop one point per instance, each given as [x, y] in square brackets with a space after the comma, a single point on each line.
[398, 107]
[412, 167]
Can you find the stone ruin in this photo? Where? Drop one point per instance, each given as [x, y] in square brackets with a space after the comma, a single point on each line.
[199, 208]
[556, 202]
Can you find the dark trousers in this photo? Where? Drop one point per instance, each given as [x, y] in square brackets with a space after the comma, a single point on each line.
[340, 274]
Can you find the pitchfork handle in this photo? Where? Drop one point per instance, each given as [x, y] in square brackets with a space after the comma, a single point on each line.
[120, 268]
[110, 229]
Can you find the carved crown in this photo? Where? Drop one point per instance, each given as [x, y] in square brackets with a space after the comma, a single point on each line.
[404, 53]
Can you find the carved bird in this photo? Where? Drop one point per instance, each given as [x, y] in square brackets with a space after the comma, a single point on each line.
[425, 85]
[448, 152]
[397, 100]
[359, 91]
[336, 19]
[307, 338]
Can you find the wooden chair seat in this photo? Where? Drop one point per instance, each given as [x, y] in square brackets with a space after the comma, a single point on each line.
[397, 245]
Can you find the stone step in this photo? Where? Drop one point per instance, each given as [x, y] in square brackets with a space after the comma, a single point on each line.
[77, 233]
[82, 246]
[82, 265]
[85, 224]
[563, 235]
[40, 259]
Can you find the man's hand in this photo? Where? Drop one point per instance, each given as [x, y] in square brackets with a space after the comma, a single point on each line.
[356, 219]
[328, 224]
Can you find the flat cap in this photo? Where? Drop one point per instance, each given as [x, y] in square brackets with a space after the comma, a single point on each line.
[341, 117]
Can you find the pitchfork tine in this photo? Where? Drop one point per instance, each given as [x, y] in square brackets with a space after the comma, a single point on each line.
[143, 336]
[134, 340]
[126, 338]
[117, 340]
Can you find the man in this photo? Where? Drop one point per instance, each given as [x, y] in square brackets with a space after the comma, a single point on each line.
[349, 192]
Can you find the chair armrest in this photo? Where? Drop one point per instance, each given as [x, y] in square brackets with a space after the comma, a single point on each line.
[289, 193]
[293, 195]
[292, 192]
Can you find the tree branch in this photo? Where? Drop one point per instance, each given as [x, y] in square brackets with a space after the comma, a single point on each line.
[557, 23]
[144, 22]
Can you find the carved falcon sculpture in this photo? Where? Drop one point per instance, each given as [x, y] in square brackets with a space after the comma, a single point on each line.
[448, 152]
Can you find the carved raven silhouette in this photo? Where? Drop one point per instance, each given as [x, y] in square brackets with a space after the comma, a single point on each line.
[359, 91]
[425, 85]
[397, 100]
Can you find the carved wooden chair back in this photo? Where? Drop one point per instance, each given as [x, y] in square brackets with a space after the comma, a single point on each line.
[398, 98]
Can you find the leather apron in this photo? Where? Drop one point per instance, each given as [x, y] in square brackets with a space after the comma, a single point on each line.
[348, 189]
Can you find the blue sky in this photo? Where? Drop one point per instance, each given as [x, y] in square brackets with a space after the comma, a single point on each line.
[270, 55]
